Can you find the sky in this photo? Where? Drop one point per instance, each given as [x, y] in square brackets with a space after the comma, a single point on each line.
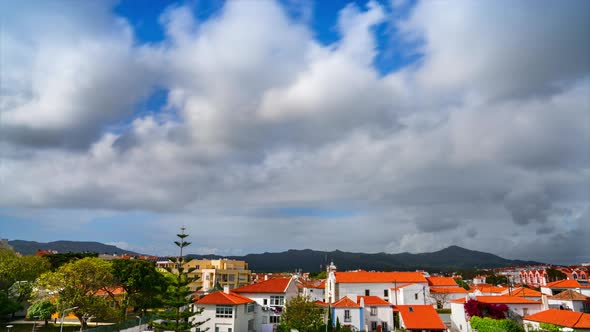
[261, 126]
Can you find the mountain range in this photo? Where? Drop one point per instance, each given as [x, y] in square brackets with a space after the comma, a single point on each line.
[450, 258]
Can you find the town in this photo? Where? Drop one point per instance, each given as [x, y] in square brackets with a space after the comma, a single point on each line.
[225, 295]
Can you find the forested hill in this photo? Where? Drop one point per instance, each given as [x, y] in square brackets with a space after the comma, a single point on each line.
[31, 247]
[451, 258]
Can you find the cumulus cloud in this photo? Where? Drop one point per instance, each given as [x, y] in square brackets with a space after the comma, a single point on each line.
[484, 142]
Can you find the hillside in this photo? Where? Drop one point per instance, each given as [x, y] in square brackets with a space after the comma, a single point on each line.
[451, 258]
[30, 247]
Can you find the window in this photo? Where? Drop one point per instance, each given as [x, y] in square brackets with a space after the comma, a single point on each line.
[525, 311]
[386, 293]
[384, 326]
[197, 267]
[232, 277]
[277, 300]
[265, 302]
[347, 315]
[373, 326]
[415, 296]
[373, 311]
[223, 311]
[367, 292]
[274, 319]
[251, 325]
[250, 307]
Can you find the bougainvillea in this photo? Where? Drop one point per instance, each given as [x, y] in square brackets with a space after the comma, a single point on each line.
[474, 308]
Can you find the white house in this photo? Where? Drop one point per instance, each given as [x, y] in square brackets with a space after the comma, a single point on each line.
[516, 305]
[569, 320]
[387, 285]
[271, 295]
[376, 313]
[315, 290]
[553, 288]
[570, 300]
[348, 313]
[225, 312]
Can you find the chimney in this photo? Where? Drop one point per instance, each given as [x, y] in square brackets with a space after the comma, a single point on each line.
[266, 277]
[226, 289]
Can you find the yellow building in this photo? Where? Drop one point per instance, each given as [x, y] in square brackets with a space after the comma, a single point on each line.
[226, 272]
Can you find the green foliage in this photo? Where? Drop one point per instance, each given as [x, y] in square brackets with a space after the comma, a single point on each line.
[494, 325]
[178, 298]
[16, 276]
[461, 283]
[42, 310]
[144, 286]
[550, 327]
[302, 314]
[57, 260]
[318, 275]
[497, 280]
[77, 284]
[554, 275]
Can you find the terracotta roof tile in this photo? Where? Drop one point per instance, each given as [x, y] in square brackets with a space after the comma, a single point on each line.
[276, 285]
[420, 317]
[566, 284]
[522, 291]
[572, 319]
[379, 277]
[345, 302]
[448, 290]
[571, 295]
[372, 301]
[505, 299]
[220, 297]
[441, 281]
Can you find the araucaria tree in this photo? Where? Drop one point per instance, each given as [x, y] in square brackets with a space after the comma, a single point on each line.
[177, 316]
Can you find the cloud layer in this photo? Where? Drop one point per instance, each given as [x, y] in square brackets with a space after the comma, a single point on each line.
[269, 139]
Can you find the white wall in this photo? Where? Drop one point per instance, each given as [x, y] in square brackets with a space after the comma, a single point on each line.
[458, 317]
[384, 314]
[338, 313]
[407, 295]
[353, 290]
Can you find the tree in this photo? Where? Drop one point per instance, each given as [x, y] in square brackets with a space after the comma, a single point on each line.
[461, 283]
[178, 315]
[554, 275]
[17, 274]
[496, 279]
[440, 299]
[42, 309]
[77, 284]
[142, 283]
[302, 314]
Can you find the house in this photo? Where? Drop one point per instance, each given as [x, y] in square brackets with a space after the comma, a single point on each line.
[569, 320]
[570, 300]
[518, 306]
[441, 282]
[480, 279]
[348, 313]
[376, 313]
[487, 290]
[419, 318]
[271, 295]
[225, 312]
[226, 272]
[556, 287]
[395, 287]
[313, 289]
[534, 277]
[527, 293]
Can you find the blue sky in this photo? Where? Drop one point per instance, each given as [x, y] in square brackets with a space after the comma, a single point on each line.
[376, 126]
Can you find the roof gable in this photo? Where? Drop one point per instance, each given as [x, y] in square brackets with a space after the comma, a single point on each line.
[572, 319]
[420, 317]
[570, 295]
[372, 300]
[220, 297]
[379, 277]
[275, 285]
[441, 281]
[345, 302]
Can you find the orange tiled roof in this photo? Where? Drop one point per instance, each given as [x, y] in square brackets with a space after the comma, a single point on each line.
[345, 302]
[505, 299]
[565, 284]
[566, 318]
[448, 290]
[372, 300]
[220, 297]
[379, 277]
[276, 285]
[321, 303]
[487, 288]
[441, 281]
[420, 317]
[522, 291]
[571, 295]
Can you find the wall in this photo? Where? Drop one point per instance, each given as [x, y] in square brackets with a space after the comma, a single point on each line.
[384, 314]
[355, 319]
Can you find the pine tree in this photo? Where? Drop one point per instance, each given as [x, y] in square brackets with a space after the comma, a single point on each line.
[179, 300]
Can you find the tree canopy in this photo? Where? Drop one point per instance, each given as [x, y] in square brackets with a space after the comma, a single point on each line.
[302, 314]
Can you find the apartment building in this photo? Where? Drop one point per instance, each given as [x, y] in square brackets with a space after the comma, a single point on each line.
[226, 272]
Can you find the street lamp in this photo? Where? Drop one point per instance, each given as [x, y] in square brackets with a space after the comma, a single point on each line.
[62, 317]
[8, 327]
